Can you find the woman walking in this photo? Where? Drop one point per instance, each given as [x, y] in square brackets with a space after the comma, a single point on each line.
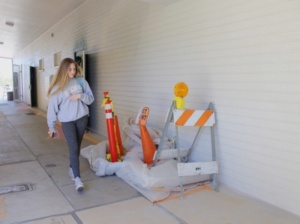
[69, 94]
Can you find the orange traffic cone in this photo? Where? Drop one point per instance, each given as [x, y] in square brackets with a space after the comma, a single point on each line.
[147, 144]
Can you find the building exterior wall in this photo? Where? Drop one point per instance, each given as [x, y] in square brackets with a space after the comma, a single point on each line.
[241, 55]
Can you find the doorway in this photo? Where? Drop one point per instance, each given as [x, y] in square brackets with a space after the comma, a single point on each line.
[17, 83]
[33, 86]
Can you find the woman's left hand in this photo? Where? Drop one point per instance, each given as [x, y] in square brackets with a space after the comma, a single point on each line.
[75, 96]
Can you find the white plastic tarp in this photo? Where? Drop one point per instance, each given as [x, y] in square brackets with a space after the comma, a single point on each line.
[155, 183]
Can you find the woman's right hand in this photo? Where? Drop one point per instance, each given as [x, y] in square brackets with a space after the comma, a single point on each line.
[75, 97]
[52, 134]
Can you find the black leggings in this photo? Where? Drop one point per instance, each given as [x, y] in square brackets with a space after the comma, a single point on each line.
[74, 131]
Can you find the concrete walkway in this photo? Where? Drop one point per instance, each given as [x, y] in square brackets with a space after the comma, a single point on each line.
[35, 187]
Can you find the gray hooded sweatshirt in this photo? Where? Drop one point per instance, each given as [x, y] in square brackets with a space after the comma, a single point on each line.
[62, 107]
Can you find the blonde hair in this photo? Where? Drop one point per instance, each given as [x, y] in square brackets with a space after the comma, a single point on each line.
[61, 77]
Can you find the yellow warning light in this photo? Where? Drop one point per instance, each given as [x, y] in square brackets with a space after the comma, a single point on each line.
[181, 89]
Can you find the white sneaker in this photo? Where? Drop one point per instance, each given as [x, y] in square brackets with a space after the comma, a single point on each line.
[78, 184]
[71, 174]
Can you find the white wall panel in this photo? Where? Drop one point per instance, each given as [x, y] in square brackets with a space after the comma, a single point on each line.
[241, 55]
[26, 84]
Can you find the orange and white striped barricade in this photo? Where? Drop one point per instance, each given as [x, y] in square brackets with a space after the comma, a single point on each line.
[196, 118]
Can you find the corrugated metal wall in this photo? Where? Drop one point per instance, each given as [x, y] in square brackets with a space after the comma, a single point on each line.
[241, 55]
